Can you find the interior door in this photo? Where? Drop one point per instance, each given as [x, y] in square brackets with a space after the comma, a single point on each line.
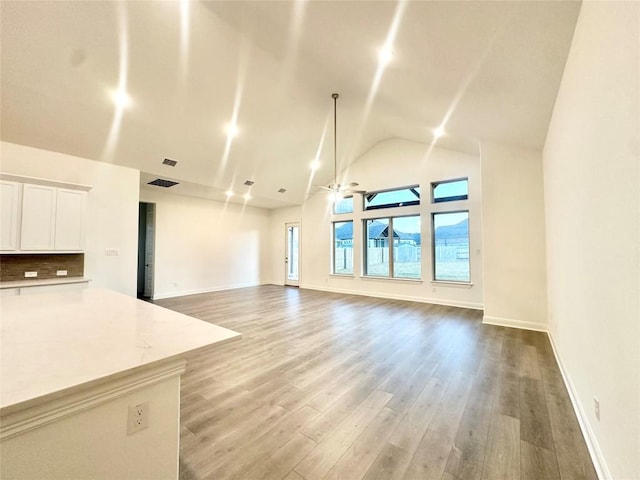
[148, 251]
[292, 255]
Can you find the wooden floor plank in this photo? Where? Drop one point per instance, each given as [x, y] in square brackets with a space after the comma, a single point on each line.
[571, 451]
[502, 461]
[537, 463]
[318, 463]
[355, 462]
[535, 427]
[363, 387]
[430, 459]
[390, 464]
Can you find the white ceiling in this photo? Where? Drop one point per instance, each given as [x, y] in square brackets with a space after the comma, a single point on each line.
[489, 70]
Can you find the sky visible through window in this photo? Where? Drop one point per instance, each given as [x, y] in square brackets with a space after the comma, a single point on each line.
[450, 190]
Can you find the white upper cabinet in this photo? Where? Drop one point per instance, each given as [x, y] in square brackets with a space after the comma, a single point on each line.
[69, 221]
[38, 217]
[10, 198]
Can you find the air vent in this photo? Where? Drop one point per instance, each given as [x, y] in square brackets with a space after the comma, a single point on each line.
[248, 183]
[161, 182]
[168, 161]
[282, 190]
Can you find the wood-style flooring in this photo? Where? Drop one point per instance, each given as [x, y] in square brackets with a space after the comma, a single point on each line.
[330, 386]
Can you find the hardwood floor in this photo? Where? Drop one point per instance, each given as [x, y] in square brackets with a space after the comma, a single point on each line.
[329, 386]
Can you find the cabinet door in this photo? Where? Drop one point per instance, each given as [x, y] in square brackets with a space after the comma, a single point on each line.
[38, 217]
[10, 199]
[69, 220]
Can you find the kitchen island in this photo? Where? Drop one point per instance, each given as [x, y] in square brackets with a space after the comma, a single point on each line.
[74, 368]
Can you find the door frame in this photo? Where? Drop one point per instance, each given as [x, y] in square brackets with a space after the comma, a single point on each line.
[287, 281]
[146, 242]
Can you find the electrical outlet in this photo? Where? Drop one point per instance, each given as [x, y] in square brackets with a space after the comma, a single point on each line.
[61, 273]
[596, 407]
[138, 418]
[30, 274]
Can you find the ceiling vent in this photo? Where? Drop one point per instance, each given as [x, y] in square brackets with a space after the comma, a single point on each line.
[161, 182]
[248, 183]
[168, 161]
[282, 190]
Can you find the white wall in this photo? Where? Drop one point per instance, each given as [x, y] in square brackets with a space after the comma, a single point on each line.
[515, 288]
[392, 163]
[112, 209]
[203, 245]
[592, 196]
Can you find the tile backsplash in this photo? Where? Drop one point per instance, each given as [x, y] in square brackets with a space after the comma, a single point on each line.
[12, 267]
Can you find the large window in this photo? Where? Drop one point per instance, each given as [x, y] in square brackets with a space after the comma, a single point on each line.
[451, 246]
[400, 197]
[343, 248]
[392, 247]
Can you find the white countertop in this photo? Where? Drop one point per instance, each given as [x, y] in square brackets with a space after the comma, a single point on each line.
[42, 282]
[54, 342]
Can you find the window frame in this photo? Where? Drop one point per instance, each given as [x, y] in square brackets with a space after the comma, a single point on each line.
[390, 247]
[336, 202]
[333, 247]
[433, 245]
[453, 198]
[411, 203]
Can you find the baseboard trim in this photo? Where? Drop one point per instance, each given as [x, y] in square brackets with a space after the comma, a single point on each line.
[408, 298]
[221, 288]
[513, 323]
[599, 462]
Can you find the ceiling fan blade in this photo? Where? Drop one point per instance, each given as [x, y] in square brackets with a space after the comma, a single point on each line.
[361, 192]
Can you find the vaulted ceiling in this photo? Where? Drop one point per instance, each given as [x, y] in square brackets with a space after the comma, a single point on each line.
[486, 70]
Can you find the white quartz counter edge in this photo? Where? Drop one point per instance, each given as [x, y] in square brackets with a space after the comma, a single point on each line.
[43, 282]
[57, 343]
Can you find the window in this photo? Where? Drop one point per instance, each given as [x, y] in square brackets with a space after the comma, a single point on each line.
[450, 190]
[343, 248]
[451, 246]
[344, 205]
[401, 197]
[392, 247]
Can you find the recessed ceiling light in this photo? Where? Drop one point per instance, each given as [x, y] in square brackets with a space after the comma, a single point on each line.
[121, 98]
[315, 165]
[247, 196]
[229, 193]
[231, 129]
[385, 54]
[438, 132]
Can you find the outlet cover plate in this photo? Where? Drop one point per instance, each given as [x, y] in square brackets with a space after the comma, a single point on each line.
[30, 274]
[137, 418]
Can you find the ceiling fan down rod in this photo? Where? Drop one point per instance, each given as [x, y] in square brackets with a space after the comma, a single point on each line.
[335, 140]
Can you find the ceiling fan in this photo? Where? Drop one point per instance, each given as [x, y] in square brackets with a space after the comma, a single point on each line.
[335, 187]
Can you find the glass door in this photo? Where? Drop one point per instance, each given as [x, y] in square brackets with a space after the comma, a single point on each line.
[292, 255]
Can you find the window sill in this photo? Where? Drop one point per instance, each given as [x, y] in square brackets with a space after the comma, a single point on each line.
[445, 283]
[342, 275]
[392, 279]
